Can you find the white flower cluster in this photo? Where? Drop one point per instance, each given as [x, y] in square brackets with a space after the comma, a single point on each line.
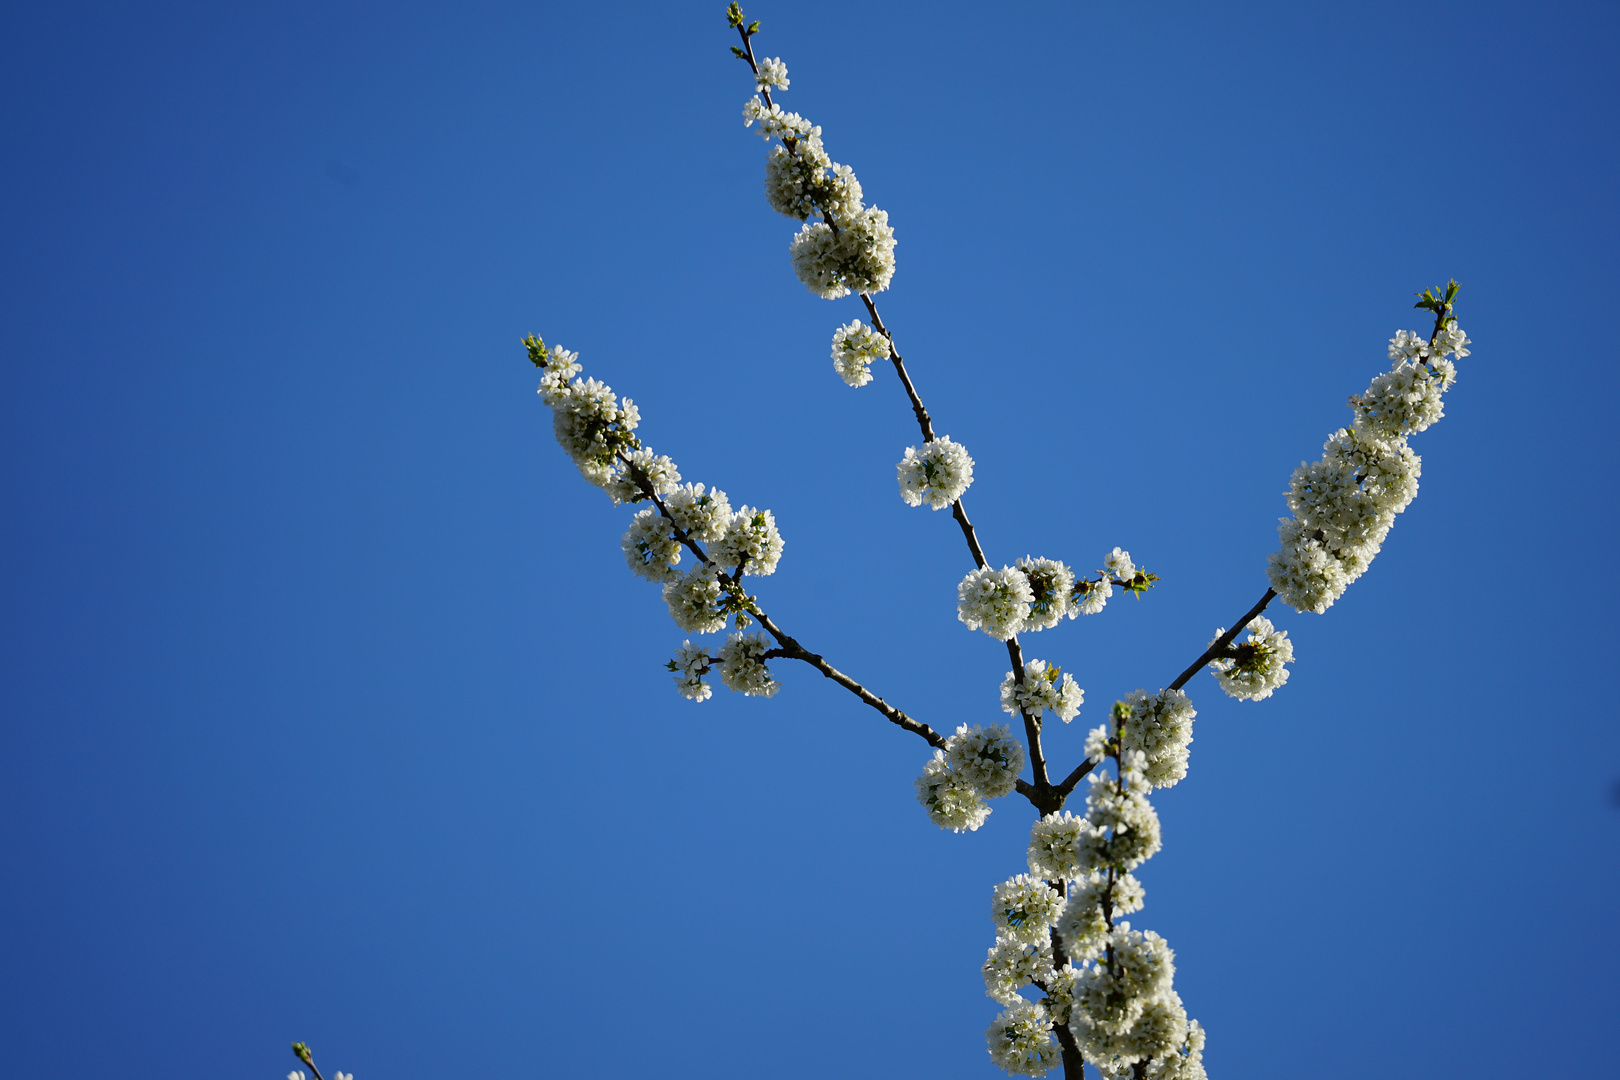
[742, 665]
[976, 764]
[937, 474]
[1051, 587]
[1012, 965]
[774, 122]
[1024, 909]
[772, 75]
[690, 664]
[1345, 504]
[1045, 689]
[696, 600]
[854, 347]
[1021, 1042]
[1261, 663]
[1118, 563]
[750, 541]
[1032, 594]
[638, 471]
[995, 601]
[859, 257]
[1115, 993]
[1090, 596]
[1159, 727]
[852, 248]
[591, 424]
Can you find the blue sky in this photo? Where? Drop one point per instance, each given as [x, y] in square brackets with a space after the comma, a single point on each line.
[331, 713]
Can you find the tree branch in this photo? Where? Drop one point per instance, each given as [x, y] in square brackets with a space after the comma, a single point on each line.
[1222, 643]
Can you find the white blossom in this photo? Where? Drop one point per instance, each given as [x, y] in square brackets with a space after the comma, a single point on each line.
[1012, 965]
[1021, 1042]
[690, 664]
[988, 758]
[1123, 826]
[1044, 689]
[559, 370]
[1099, 740]
[742, 665]
[772, 74]
[592, 425]
[1184, 1062]
[859, 257]
[774, 122]
[1260, 666]
[996, 601]
[937, 474]
[854, 348]
[1118, 563]
[1090, 596]
[951, 801]
[750, 539]
[639, 466]
[1024, 908]
[694, 600]
[1110, 998]
[704, 515]
[1082, 928]
[650, 548]
[1160, 727]
[1052, 842]
[1051, 585]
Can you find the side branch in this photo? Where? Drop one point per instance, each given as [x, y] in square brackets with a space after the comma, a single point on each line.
[1224, 642]
[792, 650]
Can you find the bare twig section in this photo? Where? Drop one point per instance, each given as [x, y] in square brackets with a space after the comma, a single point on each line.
[792, 650]
[1222, 643]
[1065, 789]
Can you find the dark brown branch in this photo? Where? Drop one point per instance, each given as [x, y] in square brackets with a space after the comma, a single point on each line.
[1224, 642]
[794, 651]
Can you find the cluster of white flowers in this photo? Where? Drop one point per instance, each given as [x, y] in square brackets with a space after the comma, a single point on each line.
[1345, 504]
[591, 424]
[751, 541]
[1013, 964]
[1124, 827]
[650, 548]
[1118, 563]
[638, 471]
[742, 665]
[937, 474]
[1052, 846]
[773, 122]
[858, 257]
[1045, 689]
[852, 248]
[690, 664]
[1090, 596]
[696, 600]
[1115, 993]
[988, 758]
[854, 347]
[772, 75]
[1021, 1042]
[976, 764]
[1260, 664]
[1159, 727]
[1024, 909]
[995, 601]
[1051, 587]
[951, 801]
[703, 515]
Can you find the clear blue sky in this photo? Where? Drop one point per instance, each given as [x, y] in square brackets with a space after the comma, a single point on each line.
[331, 713]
